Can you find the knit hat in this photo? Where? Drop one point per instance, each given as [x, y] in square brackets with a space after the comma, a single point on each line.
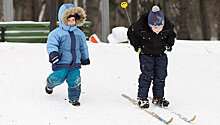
[156, 17]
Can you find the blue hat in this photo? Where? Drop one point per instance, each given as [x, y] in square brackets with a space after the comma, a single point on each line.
[156, 17]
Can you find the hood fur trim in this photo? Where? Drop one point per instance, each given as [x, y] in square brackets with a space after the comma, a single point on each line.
[73, 11]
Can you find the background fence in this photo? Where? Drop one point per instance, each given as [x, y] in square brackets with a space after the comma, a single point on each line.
[34, 32]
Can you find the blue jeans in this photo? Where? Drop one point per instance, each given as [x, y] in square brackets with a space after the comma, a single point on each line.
[71, 76]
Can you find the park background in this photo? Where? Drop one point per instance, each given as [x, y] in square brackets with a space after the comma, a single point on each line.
[194, 19]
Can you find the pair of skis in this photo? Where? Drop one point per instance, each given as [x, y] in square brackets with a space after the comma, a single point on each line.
[156, 115]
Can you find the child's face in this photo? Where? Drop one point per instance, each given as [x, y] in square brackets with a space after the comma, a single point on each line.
[157, 29]
[71, 21]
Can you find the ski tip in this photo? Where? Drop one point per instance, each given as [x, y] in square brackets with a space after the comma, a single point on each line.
[169, 121]
[123, 95]
[192, 119]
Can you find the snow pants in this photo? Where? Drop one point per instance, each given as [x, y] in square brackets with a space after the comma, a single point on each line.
[71, 76]
[153, 69]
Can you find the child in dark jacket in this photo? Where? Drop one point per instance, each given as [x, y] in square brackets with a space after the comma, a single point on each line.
[151, 36]
[67, 49]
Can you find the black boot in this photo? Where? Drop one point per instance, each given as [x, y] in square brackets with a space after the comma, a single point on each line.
[75, 102]
[160, 102]
[143, 102]
[48, 90]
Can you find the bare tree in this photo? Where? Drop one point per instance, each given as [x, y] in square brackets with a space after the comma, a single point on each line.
[1, 11]
[182, 27]
[34, 13]
[144, 6]
[218, 18]
[18, 7]
[194, 20]
[218, 29]
[112, 13]
[94, 15]
[80, 3]
[134, 9]
[213, 17]
[69, 1]
[204, 21]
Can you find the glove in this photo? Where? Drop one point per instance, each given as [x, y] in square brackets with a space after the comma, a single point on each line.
[54, 57]
[137, 50]
[85, 62]
[169, 48]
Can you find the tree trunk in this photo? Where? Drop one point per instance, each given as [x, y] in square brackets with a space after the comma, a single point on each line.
[182, 28]
[144, 7]
[211, 13]
[1, 11]
[80, 3]
[218, 29]
[69, 1]
[218, 19]
[194, 20]
[46, 16]
[204, 21]
[134, 7]
[94, 15]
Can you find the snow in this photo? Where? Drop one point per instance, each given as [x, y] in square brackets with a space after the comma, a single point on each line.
[118, 35]
[192, 86]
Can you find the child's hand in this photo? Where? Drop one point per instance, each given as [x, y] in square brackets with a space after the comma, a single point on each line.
[169, 48]
[54, 57]
[85, 62]
[56, 60]
[139, 50]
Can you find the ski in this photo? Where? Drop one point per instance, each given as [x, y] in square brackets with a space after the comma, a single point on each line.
[177, 114]
[151, 113]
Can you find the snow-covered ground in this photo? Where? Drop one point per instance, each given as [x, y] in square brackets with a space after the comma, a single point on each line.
[192, 86]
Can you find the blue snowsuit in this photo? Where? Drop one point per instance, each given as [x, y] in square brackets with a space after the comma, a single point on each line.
[70, 43]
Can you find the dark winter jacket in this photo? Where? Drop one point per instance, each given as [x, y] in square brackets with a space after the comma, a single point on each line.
[141, 36]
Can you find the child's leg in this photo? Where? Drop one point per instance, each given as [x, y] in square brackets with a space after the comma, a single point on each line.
[160, 75]
[146, 76]
[57, 77]
[74, 84]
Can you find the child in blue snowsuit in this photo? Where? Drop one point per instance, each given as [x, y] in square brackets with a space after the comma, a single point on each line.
[151, 35]
[67, 49]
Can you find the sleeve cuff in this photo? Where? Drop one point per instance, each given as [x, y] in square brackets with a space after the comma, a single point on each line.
[85, 62]
[53, 55]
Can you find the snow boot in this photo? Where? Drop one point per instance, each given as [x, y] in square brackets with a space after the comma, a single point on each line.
[143, 102]
[75, 102]
[160, 102]
[48, 90]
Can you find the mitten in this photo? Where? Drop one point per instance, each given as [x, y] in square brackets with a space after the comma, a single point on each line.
[169, 48]
[85, 62]
[54, 57]
[139, 50]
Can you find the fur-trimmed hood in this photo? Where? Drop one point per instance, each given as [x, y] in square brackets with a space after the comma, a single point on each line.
[70, 9]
